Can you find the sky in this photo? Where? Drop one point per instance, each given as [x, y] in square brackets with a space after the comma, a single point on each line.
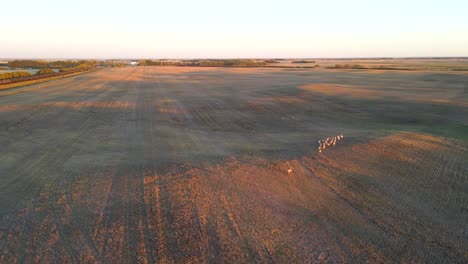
[233, 29]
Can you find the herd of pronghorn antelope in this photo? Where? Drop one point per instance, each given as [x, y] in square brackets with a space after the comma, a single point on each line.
[323, 144]
[329, 142]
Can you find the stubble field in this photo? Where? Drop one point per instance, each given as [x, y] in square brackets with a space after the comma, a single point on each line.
[179, 165]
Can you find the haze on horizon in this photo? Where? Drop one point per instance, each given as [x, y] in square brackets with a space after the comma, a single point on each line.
[240, 29]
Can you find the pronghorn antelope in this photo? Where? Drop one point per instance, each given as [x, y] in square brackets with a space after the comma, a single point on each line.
[327, 142]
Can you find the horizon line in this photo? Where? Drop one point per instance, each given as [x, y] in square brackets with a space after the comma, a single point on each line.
[234, 58]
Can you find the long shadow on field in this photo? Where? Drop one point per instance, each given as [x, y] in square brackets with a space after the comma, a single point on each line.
[374, 201]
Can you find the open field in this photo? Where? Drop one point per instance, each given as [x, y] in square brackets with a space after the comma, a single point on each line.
[404, 64]
[189, 165]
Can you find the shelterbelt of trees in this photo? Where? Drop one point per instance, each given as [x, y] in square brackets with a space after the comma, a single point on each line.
[17, 74]
[9, 75]
[45, 67]
[68, 64]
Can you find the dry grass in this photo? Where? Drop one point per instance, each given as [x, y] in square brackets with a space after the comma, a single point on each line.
[343, 90]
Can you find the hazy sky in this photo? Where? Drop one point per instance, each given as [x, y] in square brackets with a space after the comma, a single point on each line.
[237, 28]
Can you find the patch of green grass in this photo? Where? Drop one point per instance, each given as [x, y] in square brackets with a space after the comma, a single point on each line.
[455, 131]
[458, 131]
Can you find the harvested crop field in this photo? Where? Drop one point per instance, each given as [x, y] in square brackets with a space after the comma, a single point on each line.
[219, 165]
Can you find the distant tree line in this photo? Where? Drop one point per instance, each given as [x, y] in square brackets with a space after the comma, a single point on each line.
[459, 68]
[112, 63]
[361, 67]
[303, 61]
[27, 64]
[272, 61]
[164, 63]
[69, 64]
[73, 64]
[205, 63]
[231, 63]
[45, 67]
[347, 66]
